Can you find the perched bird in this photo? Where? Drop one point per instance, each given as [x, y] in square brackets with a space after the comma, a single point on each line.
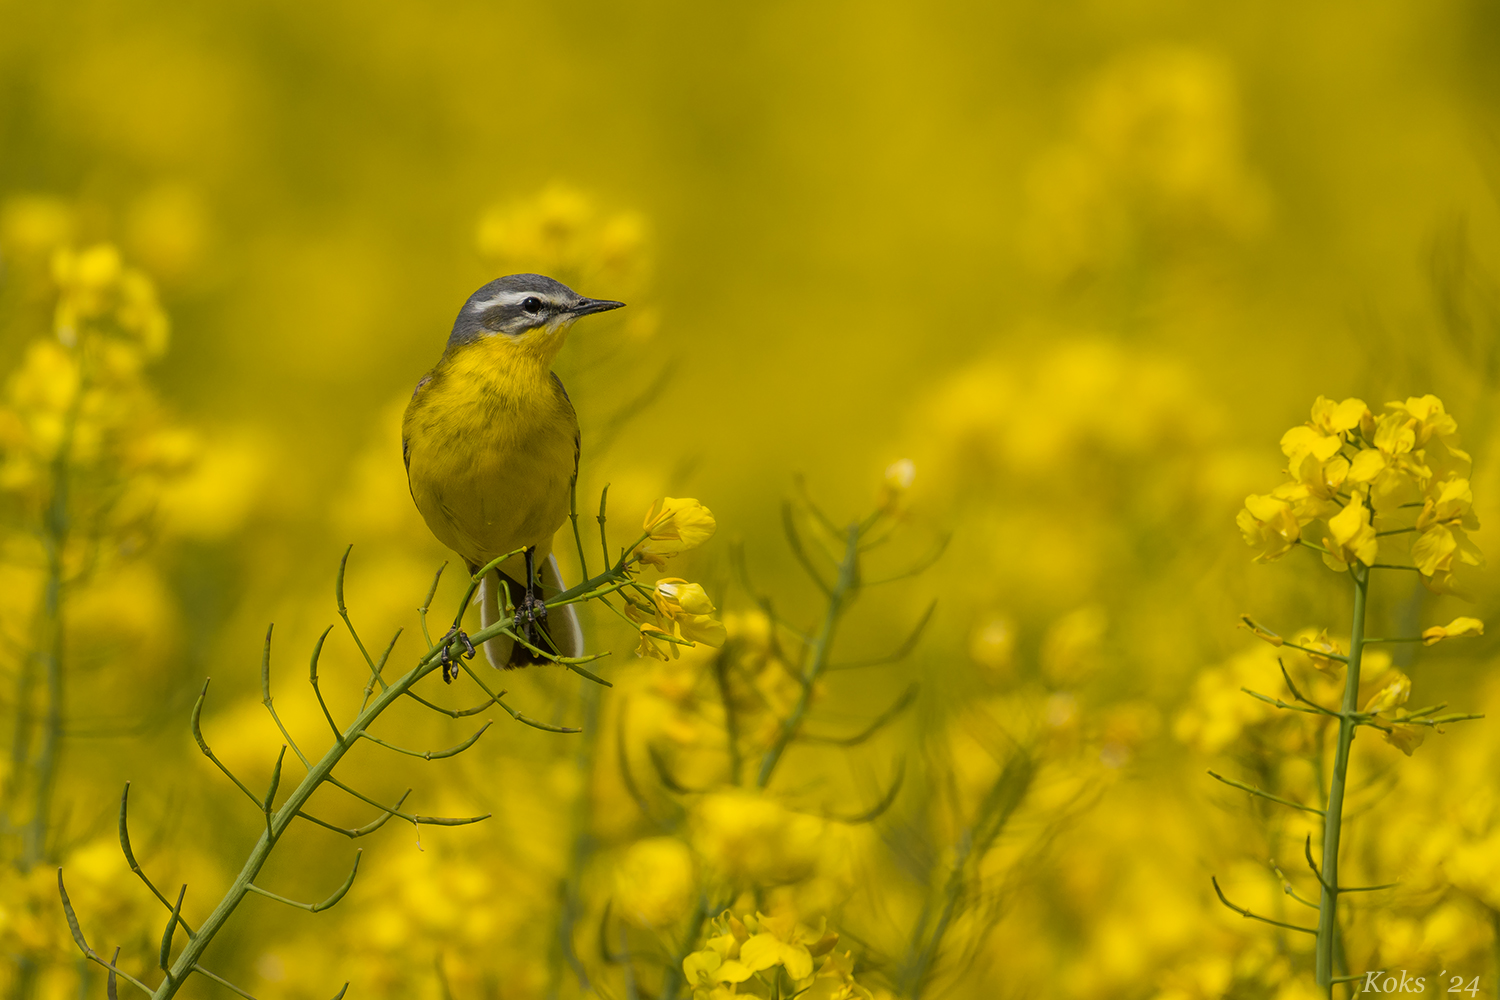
[490, 441]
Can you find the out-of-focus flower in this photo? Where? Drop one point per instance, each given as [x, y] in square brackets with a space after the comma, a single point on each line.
[1456, 628]
[35, 224]
[1069, 651]
[899, 476]
[1155, 158]
[654, 881]
[674, 525]
[751, 839]
[835, 980]
[561, 231]
[992, 645]
[96, 286]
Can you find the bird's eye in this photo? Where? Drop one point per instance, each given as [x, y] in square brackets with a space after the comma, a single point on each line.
[532, 305]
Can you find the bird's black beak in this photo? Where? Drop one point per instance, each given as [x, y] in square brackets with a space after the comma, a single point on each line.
[586, 306]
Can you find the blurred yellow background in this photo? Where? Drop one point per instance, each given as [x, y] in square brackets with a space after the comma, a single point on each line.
[1082, 264]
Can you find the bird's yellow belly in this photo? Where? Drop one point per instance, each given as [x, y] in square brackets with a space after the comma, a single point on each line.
[486, 488]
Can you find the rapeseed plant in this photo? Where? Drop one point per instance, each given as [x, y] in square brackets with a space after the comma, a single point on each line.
[1361, 477]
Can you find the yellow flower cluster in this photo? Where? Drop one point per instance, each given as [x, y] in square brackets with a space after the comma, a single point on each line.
[97, 288]
[739, 948]
[1350, 468]
[679, 612]
[79, 397]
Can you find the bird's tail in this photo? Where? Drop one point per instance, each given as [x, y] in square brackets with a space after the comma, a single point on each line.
[562, 623]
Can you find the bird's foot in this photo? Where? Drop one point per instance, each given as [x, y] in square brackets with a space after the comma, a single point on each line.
[531, 616]
[456, 637]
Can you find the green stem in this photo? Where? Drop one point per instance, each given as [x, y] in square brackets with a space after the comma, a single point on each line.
[839, 595]
[278, 823]
[1333, 815]
[999, 804]
[672, 979]
[55, 528]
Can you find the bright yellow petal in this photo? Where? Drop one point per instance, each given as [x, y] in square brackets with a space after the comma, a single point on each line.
[1366, 466]
[1391, 694]
[1348, 415]
[1433, 549]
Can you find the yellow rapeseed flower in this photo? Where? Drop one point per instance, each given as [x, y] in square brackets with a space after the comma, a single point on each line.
[835, 980]
[655, 644]
[1270, 526]
[1392, 693]
[687, 606]
[1405, 738]
[1260, 631]
[1342, 418]
[1353, 536]
[1439, 553]
[1450, 501]
[675, 525]
[1456, 628]
[1323, 644]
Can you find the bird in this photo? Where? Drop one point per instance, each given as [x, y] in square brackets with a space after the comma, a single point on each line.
[491, 445]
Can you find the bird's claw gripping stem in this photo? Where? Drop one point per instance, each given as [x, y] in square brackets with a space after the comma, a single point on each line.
[531, 616]
[449, 660]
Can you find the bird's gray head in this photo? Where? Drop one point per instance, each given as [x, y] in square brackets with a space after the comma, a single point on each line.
[518, 304]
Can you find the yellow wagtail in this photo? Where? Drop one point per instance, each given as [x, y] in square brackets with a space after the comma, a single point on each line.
[490, 441]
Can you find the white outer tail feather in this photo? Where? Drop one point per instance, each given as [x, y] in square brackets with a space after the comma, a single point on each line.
[562, 623]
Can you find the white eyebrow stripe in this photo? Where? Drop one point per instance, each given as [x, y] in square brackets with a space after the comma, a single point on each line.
[507, 299]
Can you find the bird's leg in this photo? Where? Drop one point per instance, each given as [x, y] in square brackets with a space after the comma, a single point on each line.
[531, 612]
[449, 660]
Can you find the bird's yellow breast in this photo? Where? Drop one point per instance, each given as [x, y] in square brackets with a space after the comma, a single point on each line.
[491, 444]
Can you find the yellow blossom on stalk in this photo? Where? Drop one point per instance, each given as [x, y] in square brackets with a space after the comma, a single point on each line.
[655, 642]
[1455, 629]
[674, 526]
[1313, 460]
[746, 947]
[1324, 645]
[1450, 501]
[1415, 444]
[1392, 694]
[687, 606]
[835, 980]
[679, 609]
[1270, 526]
[1260, 631]
[1342, 418]
[1435, 432]
[1353, 536]
[1439, 553]
[1405, 738]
